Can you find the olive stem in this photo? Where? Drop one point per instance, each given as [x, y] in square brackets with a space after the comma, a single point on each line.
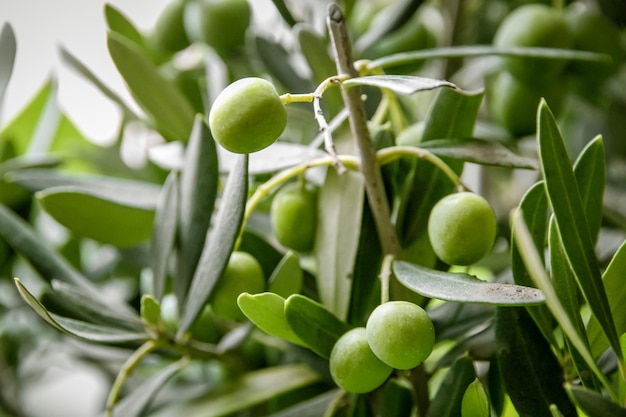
[370, 169]
[385, 276]
[128, 367]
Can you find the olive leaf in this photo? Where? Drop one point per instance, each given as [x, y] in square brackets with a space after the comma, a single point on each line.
[80, 329]
[267, 312]
[8, 47]
[219, 243]
[592, 403]
[317, 327]
[449, 397]
[287, 277]
[401, 84]
[462, 287]
[164, 234]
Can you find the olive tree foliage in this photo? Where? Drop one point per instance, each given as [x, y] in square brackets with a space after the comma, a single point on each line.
[215, 283]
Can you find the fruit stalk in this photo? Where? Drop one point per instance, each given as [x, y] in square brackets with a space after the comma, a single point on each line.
[370, 169]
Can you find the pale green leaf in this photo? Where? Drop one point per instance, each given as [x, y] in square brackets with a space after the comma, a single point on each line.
[401, 84]
[287, 277]
[267, 312]
[164, 234]
[8, 48]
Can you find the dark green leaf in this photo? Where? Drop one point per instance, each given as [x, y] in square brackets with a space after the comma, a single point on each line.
[198, 189]
[22, 238]
[169, 109]
[313, 407]
[569, 213]
[219, 243]
[449, 397]
[317, 327]
[480, 152]
[613, 279]
[337, 238]
[284, 12]
[287, 277]
[594, 404]
[464, 288]
[164, 234]
[267, 312]
[136, 402]
[80, 329]
[98, 217]
[531, 373]
[401, 84]
[590, 172]
[8, 47]
[278, 63]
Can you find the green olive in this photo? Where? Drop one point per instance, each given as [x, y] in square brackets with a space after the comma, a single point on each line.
[169, 31]
[462, 228]
[247, 116]
[594, 32]
[221, 24]
[534, 25]
[513, 103]
[401, 334]
[353, 365]
[242, 274]
[293, 216]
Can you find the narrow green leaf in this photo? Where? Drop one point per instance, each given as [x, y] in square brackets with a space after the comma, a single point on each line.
[486, 50]
[475, 401]
[337, 238]
[613, 279]
[463, 288]
[75, 64]
[312, 407]
[401, 84]
[531, 373]
[119, 23]
[479, 151]
[594, 404]
[91, 215]
[284, 12]
[22, 238]
[590, 173]
[449, 397]
[539, 276]
[48, 123]
[218, 245]
[287, 277]
[251, 389]
[317, 327]
[138, 400]
[80, 329]
[267, 312]
[569, 213]
[164, 234]
[198, 184]
[8, 47]
[96, 307]
[169, 109]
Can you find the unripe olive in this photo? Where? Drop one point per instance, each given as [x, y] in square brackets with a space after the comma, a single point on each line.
[247, 116]
[242, 274]
[513, 102]
[462, 228]
[293, 216]
[534, 25]
[353, 365]
[169, 32]
[594, 32]
[221, 24]
[401, 334]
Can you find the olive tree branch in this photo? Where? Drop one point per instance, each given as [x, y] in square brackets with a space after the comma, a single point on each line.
[370, 169]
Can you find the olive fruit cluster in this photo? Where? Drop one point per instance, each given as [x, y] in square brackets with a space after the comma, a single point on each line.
[243, 273]
[293, 216]
[398, 335]
[462, 228]
[247, 116]
[515, 92]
